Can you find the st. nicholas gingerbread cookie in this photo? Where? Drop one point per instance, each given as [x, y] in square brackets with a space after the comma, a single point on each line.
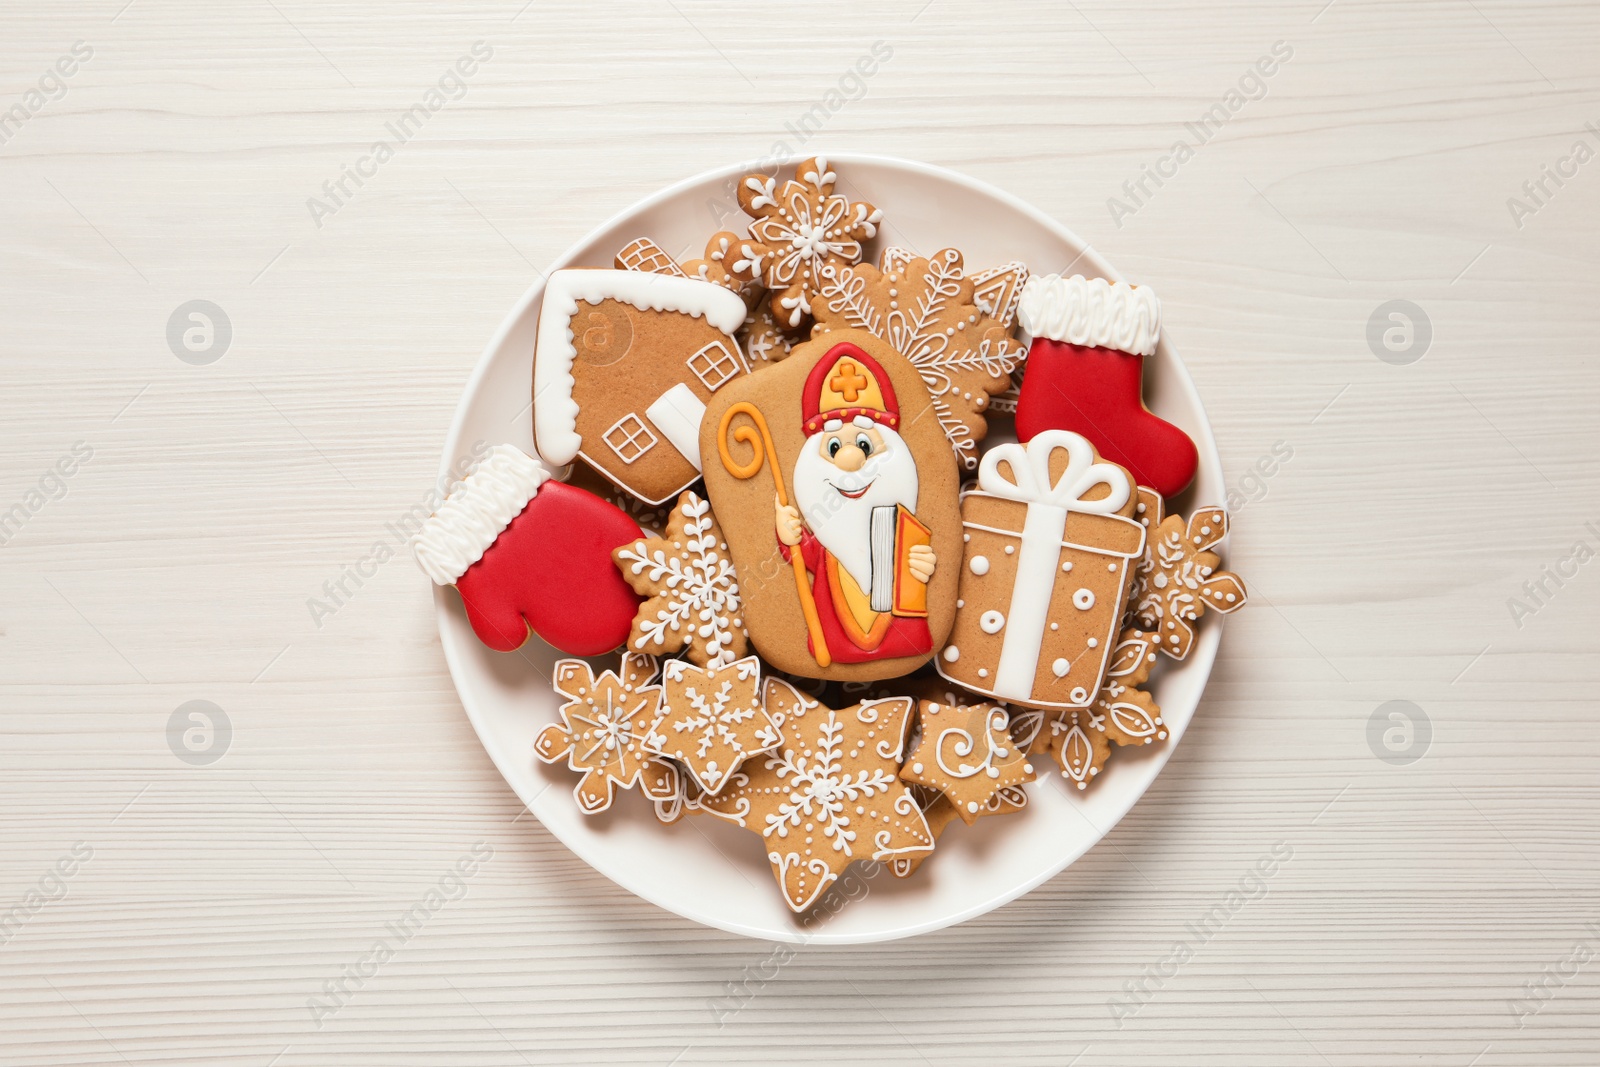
[837, 494]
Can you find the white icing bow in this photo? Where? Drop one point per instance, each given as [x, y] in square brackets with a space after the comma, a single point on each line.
[1030, 482]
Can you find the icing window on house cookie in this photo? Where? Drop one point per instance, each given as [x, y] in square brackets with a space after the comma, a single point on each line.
[714, 365]
[630, 438]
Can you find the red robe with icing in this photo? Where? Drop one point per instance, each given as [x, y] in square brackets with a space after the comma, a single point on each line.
[892, 636]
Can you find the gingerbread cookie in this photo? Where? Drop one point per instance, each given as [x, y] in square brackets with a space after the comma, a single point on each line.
[691, 588]
[1086, 374]
[602, 729]
[729, 261]
[800, 229]
[838, 500]
[624, 365]
[1130, 715]
[925, 309]
[522, 552]
[763, 338]
[712, 719]
[829, 795]
[965, 751]
[1177, 577]
[1050, 549]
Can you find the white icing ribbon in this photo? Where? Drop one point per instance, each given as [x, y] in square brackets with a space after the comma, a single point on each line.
[472, 517]
[1091, 311]
[1043, 531]
[1030, 474]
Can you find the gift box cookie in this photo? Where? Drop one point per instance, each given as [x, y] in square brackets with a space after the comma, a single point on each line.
[1050, 547]
[624, 365]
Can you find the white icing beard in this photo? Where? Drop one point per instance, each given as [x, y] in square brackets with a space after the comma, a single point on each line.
[842, 525]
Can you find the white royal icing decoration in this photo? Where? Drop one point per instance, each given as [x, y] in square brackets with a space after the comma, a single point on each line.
[952, 654]
[1091, 311]
[1048, 502]
[555, 413]
[979, 565]
[1083, 599]
[1060, 668]
[677, 414]
[470, 519]
[992, 622]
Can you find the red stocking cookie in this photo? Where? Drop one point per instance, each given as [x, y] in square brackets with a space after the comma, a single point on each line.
[1085, 373]
[529, 553]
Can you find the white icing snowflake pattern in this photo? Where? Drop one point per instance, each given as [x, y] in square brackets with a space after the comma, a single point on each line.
[693, 591]
[830, 794]
[712, 719]
[798, 230]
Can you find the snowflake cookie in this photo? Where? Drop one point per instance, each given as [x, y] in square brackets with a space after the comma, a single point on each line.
[927, 311]
[966, 753]
[830, 794]
[712, 719]
[602, 727]
[1177, 580]
[800, 230]
[692, 592]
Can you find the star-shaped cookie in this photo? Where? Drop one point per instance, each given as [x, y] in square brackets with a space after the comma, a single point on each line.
[966, 752]
[712, 719]
[602, 726]
[830, 794]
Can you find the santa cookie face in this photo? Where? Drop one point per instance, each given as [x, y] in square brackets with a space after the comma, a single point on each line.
[838, 497]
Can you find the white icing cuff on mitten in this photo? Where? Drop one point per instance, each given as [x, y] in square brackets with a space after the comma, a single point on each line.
[471, 518]
[1091, 311]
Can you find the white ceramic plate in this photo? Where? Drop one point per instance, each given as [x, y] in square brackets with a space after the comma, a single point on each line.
[708, 870]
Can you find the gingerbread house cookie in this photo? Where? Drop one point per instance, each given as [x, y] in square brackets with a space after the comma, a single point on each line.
[624, 365]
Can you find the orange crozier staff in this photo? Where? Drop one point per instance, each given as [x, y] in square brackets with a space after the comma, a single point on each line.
[745, 435]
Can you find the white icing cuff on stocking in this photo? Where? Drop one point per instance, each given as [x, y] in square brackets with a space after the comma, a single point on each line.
[1091, 311]
[471, 518]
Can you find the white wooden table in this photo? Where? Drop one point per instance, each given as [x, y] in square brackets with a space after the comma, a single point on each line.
[210, 909]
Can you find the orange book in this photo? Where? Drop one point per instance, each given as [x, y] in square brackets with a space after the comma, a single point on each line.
[910, 592]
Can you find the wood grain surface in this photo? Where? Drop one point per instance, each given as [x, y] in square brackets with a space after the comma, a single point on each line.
[1441, 910]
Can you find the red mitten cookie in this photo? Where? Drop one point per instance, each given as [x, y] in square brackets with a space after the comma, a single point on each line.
[1085, 373]
[531, 554]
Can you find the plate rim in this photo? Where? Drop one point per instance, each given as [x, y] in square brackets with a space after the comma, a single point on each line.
[1202, 655]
